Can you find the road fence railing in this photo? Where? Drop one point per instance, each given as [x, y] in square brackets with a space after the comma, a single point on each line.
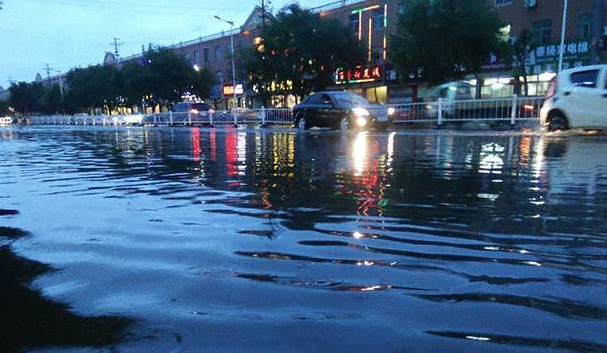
[510, 109]
[239, 116]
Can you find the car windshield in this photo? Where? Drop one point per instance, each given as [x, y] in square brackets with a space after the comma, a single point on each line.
[350, 99]
[462, 91]
[200, 106]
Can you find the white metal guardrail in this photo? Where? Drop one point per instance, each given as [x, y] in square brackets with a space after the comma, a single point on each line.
[513, 110]
[241, 116]
[102, 120]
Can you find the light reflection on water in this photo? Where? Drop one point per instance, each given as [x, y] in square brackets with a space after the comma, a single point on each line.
[257, 240]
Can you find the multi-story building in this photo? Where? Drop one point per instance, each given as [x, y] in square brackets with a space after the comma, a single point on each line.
[544, 20]
[374, 21]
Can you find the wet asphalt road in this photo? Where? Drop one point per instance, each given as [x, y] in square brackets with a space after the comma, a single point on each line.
[248, 240]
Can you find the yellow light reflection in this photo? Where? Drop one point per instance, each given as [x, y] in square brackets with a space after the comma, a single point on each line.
[370, 289]
[390, 148]
[359, 152]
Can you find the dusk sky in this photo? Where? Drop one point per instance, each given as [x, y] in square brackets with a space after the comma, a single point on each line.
[71, 33]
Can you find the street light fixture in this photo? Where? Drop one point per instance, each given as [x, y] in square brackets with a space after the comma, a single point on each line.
[231, 23]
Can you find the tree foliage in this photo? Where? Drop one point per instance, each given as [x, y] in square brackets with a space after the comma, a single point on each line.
[163, 75]
[4, 105]
[159, 77]
[92, 87]
[518, 53]
[25, 97]
[447, 38]
[299, 53]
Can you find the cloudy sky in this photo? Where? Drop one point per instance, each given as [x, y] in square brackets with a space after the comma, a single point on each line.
[70, 33]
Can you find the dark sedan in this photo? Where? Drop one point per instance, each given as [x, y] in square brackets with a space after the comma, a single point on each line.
[340, 110]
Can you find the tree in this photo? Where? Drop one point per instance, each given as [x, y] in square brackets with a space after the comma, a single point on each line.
[447, 38]
[94, 87]
[50, 101]
[518, 54]
[203, 81]
[163, 76]
[4, 105]
[299, 53]
[25, 97]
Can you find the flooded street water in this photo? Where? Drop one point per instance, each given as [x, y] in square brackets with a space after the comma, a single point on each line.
[247, 240]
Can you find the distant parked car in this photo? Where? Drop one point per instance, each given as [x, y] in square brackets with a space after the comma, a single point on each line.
[193, 108]
[449, 92]
[577, 98]
[341, 110]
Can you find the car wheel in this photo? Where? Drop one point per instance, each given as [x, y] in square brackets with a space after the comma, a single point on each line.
[344, 124]
[301, 123]
[557, 123]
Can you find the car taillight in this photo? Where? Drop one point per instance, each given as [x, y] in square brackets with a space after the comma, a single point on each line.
[551, 88]
[194, 111]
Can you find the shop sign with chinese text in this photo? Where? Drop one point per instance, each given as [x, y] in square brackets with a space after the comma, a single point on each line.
[228, 89]
[545, 57]
[358, 75]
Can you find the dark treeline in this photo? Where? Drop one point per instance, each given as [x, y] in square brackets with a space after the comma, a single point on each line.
[160, 77]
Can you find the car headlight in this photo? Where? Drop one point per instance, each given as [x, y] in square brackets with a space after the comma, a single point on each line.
[391, 110]
[360, 112]
[429, 106]
[360, 121]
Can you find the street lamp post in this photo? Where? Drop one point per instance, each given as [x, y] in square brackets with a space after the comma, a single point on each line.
[231, 23]
[563, 27]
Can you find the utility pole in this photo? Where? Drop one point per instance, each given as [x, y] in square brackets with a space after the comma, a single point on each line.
[231, 23]
[116, 44]
[48, 74]
[264, 13]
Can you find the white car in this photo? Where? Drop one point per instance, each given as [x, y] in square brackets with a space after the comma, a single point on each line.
[577, 98]
[450, 93]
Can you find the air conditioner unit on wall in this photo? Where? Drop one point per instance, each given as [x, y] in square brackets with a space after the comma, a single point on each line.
[530, 3]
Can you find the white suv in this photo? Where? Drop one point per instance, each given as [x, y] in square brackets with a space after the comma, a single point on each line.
[577, 98]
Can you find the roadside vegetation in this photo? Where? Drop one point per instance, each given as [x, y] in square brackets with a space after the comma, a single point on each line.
[299, 53]
[160, 77]
[445, 40]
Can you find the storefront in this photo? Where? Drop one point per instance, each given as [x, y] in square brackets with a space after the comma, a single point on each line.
[541, 66]
[367, 81]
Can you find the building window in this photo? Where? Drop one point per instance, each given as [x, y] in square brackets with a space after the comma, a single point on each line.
[196, 58]
[228, 50]
[502, 2]
[585, 26]
[541, 32]
[378, 19]
[354, 22]
[205, 54]
[217, 52]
